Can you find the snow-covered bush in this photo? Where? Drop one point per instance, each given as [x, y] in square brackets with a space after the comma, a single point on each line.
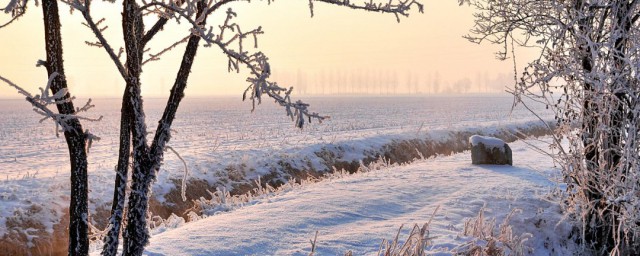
[588, 75]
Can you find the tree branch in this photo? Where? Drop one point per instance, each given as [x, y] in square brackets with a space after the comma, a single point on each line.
[85, 10]
[399, 8]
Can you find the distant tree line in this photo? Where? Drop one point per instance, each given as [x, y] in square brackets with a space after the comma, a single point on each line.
[390, 82]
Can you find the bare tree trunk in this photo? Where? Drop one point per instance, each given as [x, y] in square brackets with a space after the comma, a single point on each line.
[622, 83]
[602, 222]
[75, 137]
[111, 241]
[596, 232]
[148, 161]
[177, 93]
[136, 234]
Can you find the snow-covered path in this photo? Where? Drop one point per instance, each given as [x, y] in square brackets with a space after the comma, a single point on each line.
[357, 212]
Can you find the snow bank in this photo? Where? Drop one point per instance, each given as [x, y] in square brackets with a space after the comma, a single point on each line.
[356, 212]
[236, 171]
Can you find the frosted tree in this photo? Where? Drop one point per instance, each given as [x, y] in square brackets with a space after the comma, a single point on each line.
[238, 45]
[64, 115]
[587, 74]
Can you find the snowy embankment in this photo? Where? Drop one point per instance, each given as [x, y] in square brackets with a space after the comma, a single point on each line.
[33, 209]
[239, 172]
[355, 212]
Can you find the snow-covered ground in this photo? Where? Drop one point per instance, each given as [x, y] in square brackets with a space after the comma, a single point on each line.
[211, 133]
[357, 211]
[223, 129]
[224, 144]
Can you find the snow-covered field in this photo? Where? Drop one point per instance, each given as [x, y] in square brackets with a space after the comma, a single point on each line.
[355, 212]
[222, 128]
[215, 134]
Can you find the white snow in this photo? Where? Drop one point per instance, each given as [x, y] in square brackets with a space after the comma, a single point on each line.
[214, 133]
[356, 212]
[488, 142]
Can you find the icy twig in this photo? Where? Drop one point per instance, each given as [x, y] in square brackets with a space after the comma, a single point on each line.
[397, 8]
[183, 189]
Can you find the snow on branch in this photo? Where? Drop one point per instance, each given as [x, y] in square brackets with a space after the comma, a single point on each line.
[183, 188]
[500, 22]
[85, 8]
[17, 8]
[156, 57]
[231, 39]
[42, 102]
[397, 8]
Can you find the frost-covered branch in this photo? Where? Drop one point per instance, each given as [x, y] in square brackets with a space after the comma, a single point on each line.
[397, 8]
[85, 8]
[259, 67]
[183, 186]
[42, 102]
[156, 57]
[160, 23]
[17, 8]
[230, 39]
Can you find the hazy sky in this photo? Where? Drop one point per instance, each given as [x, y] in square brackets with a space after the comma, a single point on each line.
[336, 40]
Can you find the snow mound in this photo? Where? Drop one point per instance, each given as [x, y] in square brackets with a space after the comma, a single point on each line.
[488, 142]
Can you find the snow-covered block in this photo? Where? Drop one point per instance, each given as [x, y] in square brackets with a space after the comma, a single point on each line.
[489, 150]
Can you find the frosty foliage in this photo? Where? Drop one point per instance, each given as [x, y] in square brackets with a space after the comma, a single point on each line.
[587, 74]
[398, 8]
[222, 200]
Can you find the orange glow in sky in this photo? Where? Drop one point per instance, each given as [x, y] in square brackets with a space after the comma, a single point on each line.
[312, 52]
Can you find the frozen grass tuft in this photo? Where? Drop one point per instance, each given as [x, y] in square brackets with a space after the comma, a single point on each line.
[481, 236]
[222, 200]
[486, 239]
[415, 244]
